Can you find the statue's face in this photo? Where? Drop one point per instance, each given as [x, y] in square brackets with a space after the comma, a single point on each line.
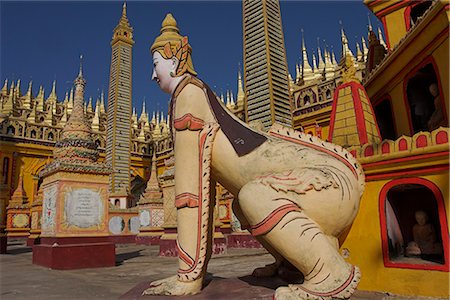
[162, 69]
[421, 217]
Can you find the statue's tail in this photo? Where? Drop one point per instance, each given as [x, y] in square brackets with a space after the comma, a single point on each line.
[337, 151]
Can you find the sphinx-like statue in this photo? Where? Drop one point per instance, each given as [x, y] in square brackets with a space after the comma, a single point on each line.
[295, 193]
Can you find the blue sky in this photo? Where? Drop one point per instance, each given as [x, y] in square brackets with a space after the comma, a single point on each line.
[42, 41]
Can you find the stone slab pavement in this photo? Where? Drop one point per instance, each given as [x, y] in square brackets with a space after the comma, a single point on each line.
[136, 266]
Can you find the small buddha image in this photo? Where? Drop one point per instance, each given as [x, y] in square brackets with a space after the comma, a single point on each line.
[424, 237]
[437, 118]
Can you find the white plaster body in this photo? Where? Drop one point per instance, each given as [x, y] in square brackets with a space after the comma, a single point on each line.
[322, 190]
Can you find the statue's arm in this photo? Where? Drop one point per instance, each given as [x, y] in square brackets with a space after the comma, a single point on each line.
[190, 123]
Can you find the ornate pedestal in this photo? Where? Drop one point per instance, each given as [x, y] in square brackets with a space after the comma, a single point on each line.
[75, 222]
[18, 221]
[4, 197]
[36, 216]
[18, 212]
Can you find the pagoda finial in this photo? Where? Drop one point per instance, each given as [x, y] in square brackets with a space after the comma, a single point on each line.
[30, 85]
[80, 74]
[369, 26]
[5, 86]
[124, 9]
[319, 55]
[53, 92]
[306, 66]
[19, 196]
[380, 37]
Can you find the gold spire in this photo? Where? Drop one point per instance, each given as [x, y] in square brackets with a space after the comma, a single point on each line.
[19, 196]
[89, 107]
[52, 95]
[359, 54]
[123, 31]
[380, 37]
[96, 118]
[77, 126]
[134, 119]
[28, 96]
[319, 56]
[102, 103]
[5, 88]
[143, 116]
[240, 93]
[153, 192]
[17, 89]
[306, 67]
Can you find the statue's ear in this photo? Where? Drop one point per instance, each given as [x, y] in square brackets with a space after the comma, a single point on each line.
[175, 63]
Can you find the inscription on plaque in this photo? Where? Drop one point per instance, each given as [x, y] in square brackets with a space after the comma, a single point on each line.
[83, 208]
[144, 218]
[49, 208]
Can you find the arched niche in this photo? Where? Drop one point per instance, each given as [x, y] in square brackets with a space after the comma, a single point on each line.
[400, 201]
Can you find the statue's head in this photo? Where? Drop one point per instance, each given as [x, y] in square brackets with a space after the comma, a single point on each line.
[171, 55]
[421, 217]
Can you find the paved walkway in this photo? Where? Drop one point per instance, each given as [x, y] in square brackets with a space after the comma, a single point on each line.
[137, 264]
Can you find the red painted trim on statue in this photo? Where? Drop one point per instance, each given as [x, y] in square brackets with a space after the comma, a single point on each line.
[427, 60]
[202, 140]
[335, 291]
[273, 219]
[442, 222]
[404, 173]
[186, 199]
[184, 256]
[348, 164]
[188, 121]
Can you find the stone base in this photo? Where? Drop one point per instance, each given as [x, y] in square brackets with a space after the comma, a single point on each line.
[219, 246]
[242, 240]
[147, 239]
[168, 248]
[122, 239]
[233, 288]
[3, 243]
[33, 240]
[74, 253]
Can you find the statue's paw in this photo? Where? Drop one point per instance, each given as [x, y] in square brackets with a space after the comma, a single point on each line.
[267, 271]
[285, 293]
[308, 291]
[171, 286]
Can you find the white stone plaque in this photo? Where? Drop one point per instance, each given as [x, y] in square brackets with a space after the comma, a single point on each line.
[116, 225]
[83, 208]
[49, 209]
[144, 218]
[134, 225]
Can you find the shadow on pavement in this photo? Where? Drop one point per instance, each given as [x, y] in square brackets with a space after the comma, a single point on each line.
[120, 258]
[268, 282]
[20, 250]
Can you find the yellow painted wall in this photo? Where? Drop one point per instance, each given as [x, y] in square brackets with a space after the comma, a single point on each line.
[364, 244]
[396, 27]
